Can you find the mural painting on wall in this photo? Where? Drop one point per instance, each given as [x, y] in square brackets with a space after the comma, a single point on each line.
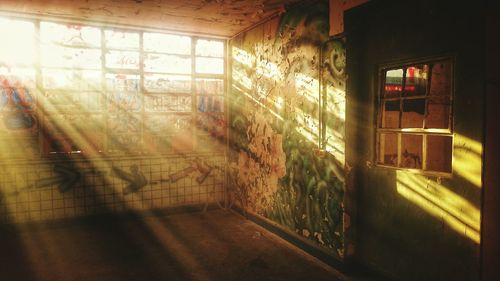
[275, 127]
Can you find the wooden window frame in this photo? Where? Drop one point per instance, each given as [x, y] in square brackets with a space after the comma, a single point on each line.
[423, 132]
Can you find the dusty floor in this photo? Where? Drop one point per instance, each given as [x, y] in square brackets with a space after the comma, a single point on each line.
[215, 245]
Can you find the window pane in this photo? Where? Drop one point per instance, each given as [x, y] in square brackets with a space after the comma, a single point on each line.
[168, 103]
[393, 83]
[122, 82]
[62, 101]
[438, 113]
[71, 124]
[388, 149]
[12, 77]
[210, 104]
[84, 80]
[213, 124]
[413, 113]
[55, 56]
[167, 43]
[126, 101]
[17, 77]
[125, 60]
[124, 123]
[411, 151]
[121, 40]
[18, 42]
[123, 92]
[70, 34]
[416, 80]
[210, 66]
[209, 48]
[210, 86]
[160, 83]
[167, 64]
[168, 124]
[441, 82]
[390, 118]
[125, 143]
[439, 153]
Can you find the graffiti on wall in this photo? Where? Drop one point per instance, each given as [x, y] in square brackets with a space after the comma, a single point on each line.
[16, 106]
[275, 114]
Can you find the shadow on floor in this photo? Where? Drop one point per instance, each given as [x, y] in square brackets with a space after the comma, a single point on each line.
[214, 245]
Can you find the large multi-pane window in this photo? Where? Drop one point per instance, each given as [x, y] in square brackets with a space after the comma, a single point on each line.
[71, 88]
[415, 116]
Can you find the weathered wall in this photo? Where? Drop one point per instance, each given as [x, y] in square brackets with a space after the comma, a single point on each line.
[279, 118]
[416, 226]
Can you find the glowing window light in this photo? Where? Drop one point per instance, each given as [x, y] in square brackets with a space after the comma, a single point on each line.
[209, 48]
[209, 65]
[121, 40]
[69, 34]
[18, 42]
[167, 43]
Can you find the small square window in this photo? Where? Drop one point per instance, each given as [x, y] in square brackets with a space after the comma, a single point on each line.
[414, 125]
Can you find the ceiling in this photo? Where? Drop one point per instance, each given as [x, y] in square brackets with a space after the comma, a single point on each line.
[219, 18]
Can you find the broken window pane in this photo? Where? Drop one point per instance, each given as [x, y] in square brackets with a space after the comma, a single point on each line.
[393, 83]
[411, 151]
[413, 113]
[209, 65]
[441, 82]
[209, 48]
[125, 60]
[390, 118]
[388, 149]
[416, 80]
[210, 86]
[167, 64]
[167, 43]
[121, 40]
[439, 153]
[70, 34]
[159, 83]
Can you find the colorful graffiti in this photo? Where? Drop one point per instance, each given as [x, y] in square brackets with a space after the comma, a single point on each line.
[279, 119]
[16, 106]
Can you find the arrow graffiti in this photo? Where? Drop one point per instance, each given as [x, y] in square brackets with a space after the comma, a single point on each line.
[66, 178]
[135, 178]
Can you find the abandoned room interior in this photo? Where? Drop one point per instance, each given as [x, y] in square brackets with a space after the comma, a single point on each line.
[249, 140]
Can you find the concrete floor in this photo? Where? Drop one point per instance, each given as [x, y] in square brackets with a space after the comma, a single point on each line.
[215, 245]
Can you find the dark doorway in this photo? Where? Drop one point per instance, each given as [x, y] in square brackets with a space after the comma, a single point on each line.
[490, 245]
